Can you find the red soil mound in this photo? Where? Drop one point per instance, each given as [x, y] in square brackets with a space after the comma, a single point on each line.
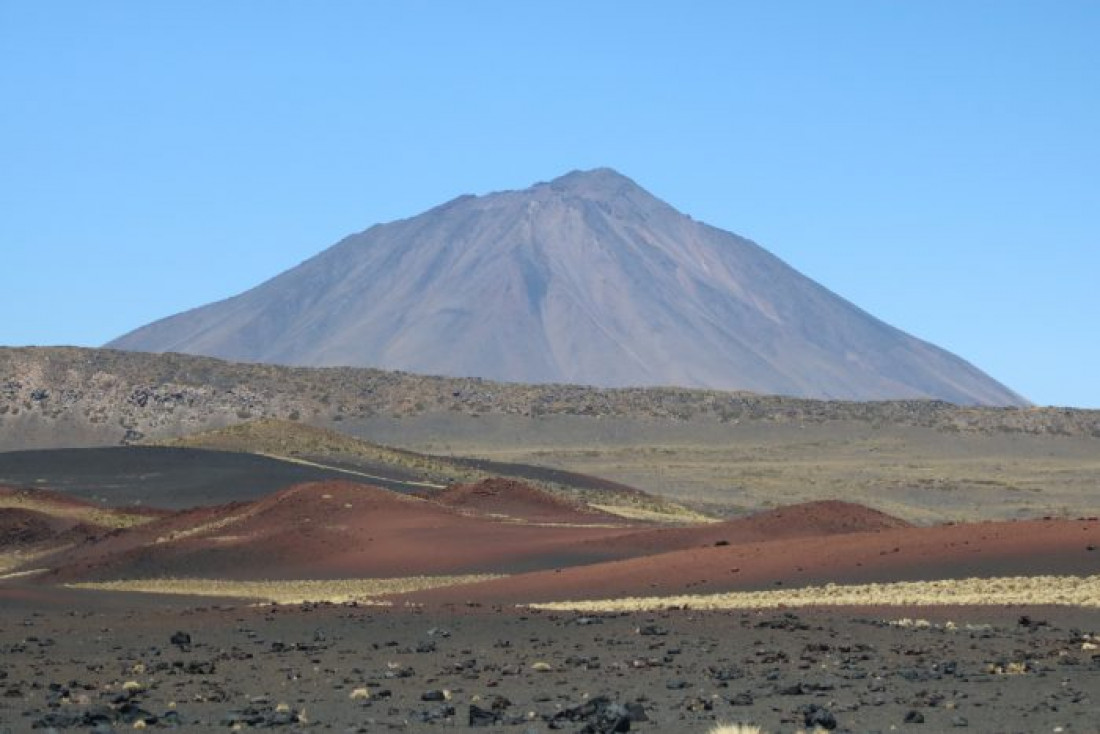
[517, 500]
[830, 517]
[904, 554]
[343, 529]
[37, 517]
[331, 530]
[20, 528]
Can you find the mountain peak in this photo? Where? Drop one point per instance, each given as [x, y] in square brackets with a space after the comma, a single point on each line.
[587, 278]
[595, 182]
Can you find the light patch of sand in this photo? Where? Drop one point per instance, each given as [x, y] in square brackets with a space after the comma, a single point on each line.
[353, 472]
[676, 515]
[21, 574]
[12, 560]
[1081, 591]
[512, 520]
[209, 527]
[337, 591]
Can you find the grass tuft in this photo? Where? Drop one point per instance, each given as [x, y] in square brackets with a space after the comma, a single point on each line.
[1026, 590]
[337, 591]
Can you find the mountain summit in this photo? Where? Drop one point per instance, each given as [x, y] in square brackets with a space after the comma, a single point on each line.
[586, 279]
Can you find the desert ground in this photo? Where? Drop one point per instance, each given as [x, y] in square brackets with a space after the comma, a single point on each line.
[526, 560]
[924, 474]
[90, 661]
[336, 604]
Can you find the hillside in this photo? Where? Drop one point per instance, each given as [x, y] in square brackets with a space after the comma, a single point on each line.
[436, 477]
[719, 453]
[67, 396]
[588, 279]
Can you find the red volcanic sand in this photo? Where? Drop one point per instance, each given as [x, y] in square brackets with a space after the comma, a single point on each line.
[346, 530]
[332, 530]
[829, 517]
[20, 527]
[517, 500]
[43, 516]
[904, 554]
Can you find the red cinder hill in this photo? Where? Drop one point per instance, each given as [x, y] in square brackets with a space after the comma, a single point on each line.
[517, 500]
[333, 530]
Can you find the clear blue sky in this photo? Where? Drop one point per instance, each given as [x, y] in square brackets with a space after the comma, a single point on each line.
[936, 163]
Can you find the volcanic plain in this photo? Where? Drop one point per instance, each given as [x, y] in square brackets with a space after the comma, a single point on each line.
[338, 604]
[322, 558]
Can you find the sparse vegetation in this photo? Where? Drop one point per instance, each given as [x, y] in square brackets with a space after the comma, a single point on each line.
[667, 514]
[712, 452]
[1061, 590]
[735, 729]
[148, 388]
[312, 445]
[106, 518]
[287, 592]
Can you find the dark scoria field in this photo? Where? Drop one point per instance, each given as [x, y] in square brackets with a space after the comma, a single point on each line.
[125, 662]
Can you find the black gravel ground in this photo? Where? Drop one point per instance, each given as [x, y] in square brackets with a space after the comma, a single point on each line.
[97, 662]
[171, 478]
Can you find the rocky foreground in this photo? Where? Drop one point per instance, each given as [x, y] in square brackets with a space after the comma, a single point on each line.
[81, 661]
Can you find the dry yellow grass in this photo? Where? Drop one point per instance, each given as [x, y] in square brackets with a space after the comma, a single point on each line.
[7, 566]
[670, 514]
[735, 729]
[1082, 591]
[79, 513]
[336, 591]
[919, 474]
[305, 444]
[343, 470]
[12, 560]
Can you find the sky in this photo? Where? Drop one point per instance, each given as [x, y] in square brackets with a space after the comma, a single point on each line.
[937, 163]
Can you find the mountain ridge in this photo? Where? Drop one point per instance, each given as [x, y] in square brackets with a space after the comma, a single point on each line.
[585, 279]
[74, 396]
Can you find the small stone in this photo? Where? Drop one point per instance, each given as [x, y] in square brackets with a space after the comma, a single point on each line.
[481, 717]
[818, 717]
[652, 630]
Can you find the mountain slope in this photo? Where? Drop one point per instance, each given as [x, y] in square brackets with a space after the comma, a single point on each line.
[586, 279]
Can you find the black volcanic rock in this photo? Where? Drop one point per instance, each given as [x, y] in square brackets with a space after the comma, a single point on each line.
[587, 279]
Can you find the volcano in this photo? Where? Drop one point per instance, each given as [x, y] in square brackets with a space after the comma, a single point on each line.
[588, 279]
